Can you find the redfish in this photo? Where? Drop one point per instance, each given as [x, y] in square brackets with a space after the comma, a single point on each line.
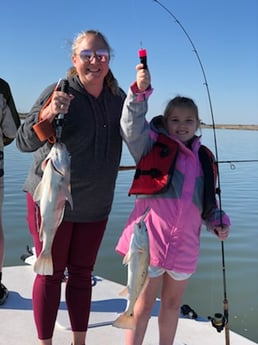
[51, 195]
[137, 260]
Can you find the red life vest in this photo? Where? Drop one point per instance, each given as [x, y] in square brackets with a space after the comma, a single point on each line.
[154, 172]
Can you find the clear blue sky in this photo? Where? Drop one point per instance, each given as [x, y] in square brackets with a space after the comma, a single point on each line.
[36, 40]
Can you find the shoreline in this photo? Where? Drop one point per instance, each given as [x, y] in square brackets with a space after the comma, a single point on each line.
[231, 126]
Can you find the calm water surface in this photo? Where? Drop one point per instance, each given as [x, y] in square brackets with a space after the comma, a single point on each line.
[205, 291]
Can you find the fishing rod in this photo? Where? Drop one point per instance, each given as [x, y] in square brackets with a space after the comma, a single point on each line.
[231, 162]
[232, 165]
[239, 161]
[218, 322]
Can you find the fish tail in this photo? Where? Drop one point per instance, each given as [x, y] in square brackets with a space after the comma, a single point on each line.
[124, 321]
[44, 264]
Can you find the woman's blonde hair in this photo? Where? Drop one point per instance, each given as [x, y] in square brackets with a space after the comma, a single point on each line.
[110, 80]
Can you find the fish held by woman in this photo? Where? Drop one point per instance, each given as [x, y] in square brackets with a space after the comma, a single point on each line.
[137, 260]
[51, 195]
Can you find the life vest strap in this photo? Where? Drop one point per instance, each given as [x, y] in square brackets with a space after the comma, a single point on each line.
[152, 172]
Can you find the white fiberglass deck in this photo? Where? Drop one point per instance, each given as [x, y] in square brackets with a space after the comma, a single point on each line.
[17, 325]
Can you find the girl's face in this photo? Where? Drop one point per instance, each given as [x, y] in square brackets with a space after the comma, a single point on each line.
[182, 123]
[91, 60]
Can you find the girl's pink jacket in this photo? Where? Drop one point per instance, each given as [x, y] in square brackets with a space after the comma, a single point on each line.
[174, 220]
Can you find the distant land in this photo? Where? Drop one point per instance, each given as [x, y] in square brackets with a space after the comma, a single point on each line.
[231, 126]
[205, 125]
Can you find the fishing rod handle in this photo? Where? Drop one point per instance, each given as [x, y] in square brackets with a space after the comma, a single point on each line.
[143, 57]
[64, 85]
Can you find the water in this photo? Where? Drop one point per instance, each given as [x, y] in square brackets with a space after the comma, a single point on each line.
[205, 291]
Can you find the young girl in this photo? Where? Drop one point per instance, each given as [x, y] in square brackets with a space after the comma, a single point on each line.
[175, 179]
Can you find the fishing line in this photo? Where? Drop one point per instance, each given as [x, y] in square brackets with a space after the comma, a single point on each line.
[240, 161]
[225, 302]
[232, 165]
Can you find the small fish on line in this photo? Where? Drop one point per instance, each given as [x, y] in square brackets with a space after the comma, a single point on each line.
[137, 260]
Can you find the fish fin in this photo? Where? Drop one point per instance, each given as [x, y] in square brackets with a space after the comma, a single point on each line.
[126, 258]
[43, 264]
[41, 234]
[70, 200]
[124, 292]
[37, 193]
[61, 216]
[44, 163]
[124, 321]
[130, 254]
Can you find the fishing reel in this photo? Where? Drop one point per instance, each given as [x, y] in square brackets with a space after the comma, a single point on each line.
[218, 321]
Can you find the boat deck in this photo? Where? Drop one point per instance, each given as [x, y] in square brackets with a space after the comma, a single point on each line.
[17, 325]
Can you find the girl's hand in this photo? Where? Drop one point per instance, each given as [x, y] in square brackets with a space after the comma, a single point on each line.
[143, 78]
[221, 232]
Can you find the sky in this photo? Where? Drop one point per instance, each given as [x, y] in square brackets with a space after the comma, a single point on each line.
[36, 39]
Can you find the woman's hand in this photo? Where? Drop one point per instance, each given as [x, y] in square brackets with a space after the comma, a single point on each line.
[59, 104]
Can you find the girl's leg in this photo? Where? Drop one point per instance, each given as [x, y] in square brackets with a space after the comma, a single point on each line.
[47, 289]
[84, 246]
[171, 298]
[142, 311]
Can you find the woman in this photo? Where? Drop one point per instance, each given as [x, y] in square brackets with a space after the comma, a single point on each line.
[90, 131]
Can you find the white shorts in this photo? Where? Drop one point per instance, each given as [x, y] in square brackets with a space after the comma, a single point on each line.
[155, 272]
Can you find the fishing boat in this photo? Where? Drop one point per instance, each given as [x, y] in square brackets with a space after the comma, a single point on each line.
[17, 324]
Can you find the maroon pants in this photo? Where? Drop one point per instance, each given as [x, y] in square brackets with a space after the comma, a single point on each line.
[75, 247]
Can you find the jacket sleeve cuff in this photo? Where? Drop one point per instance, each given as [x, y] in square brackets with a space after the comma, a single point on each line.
[141, 95]
[218, 217]
[44, 130]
